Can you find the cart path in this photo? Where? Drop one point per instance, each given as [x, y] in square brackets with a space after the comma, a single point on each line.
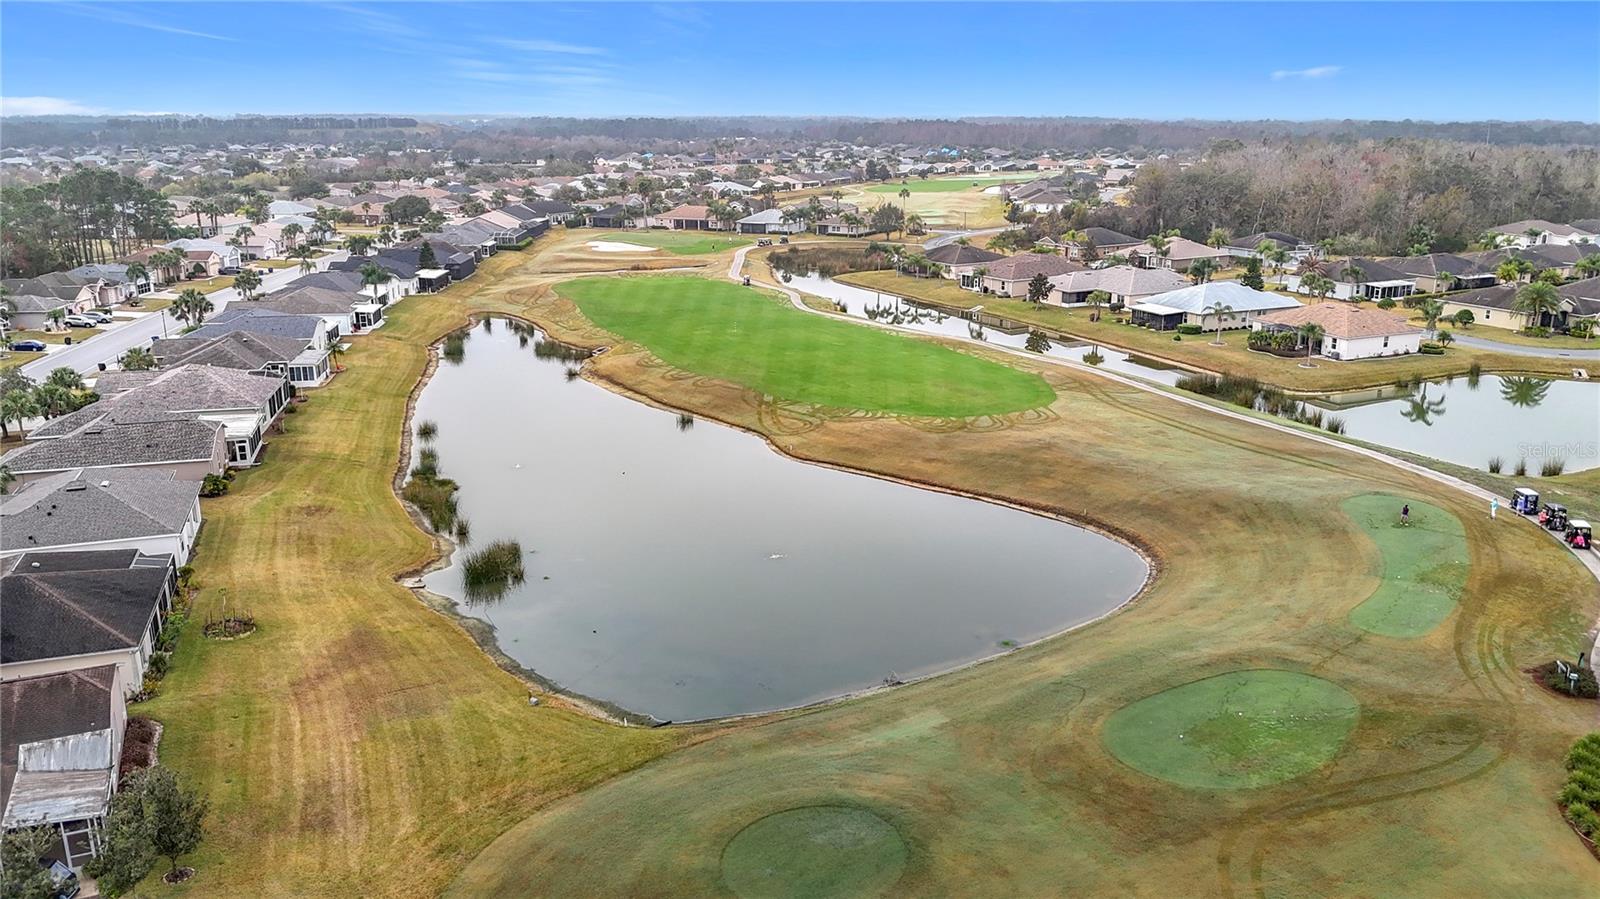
[1590, 559]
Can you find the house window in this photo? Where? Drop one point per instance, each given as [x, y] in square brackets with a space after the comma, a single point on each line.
[1386, 342]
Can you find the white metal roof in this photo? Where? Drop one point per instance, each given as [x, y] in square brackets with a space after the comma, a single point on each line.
[1157, 309]
[431, 272]
[49, 797]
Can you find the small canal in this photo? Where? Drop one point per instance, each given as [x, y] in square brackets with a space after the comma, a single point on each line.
[682, 569]
[1465, 420]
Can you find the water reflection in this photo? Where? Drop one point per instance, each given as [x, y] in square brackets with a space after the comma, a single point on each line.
[1422, 410]
[695, 573]
[1524, 392]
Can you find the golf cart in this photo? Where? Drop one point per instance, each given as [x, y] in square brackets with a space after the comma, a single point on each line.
[1579, 535]
[764, 242]
[1553, 516]
[1525, 501]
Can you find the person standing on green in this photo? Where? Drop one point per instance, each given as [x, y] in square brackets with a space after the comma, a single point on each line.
[1405, 515]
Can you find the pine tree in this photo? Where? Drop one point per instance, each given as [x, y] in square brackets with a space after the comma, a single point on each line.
[426, 259]
[1252, 274]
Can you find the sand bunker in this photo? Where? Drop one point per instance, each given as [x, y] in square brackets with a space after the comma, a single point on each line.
[617, 246]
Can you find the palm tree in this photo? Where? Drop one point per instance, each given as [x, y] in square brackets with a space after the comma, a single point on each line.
[1220, 310]
[191, 305]
[1431, 311]
[374, 277]
[386, 234]
[1311, 333]
[137, 272]
[335, 351]
[137, 359]
[53, 400]
[905, 194]
[1096, 299]
[1201, 270]
[358, 244]
[55, 317]
[1217, 239]
[247, 281]
[1535, 301]
[17, 405]
[1513, 269]
[291, 233]
[1588, 266]
[305, 255]
[7, 478]
[1522, 391]
[1275, 255]
[1353, 274]
[66, 378]
[8, 306]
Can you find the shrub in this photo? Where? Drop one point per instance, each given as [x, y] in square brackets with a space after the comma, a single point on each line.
[1335, 425]
[160, 663]
[1495, 464]
[1552, 466]
[435, 497]
[492, 570]
[1464, 318]
[1386, 303]
[213, 485]
[1432, 349]
[1584, 818]
[1586, 687]
[1522, 468]
[1190, 329]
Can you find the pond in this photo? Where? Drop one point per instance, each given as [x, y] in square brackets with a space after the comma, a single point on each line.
[1463, 420]
[684, 570]
[1470, 420]
[858, 302]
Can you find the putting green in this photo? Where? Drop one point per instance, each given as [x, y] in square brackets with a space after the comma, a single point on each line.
[1234, 731]
[685, 243]
[723, 330]
[1423, 566]
[945, 185]
[817, 852]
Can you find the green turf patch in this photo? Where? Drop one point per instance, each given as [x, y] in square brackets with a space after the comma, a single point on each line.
[945, 185]
[817, 852]
[684, 243]
[723, 330]
[1234, 731]
[1423, 565]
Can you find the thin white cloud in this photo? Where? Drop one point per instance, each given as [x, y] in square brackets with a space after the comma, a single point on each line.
[543, 46]
[45, 106]
[1313, 72]
[108, 13]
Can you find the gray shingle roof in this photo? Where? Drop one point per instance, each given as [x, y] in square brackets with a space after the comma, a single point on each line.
[72, 560]
[48, 707]
[237, 349]
[182, 390]
[52, 614]
[106, 442]
[310, 301]
[114, 504]
[261, 321]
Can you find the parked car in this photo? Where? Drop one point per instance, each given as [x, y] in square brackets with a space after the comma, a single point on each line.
[230, 270]
[98, 317]
[80, 321]
[28, 346]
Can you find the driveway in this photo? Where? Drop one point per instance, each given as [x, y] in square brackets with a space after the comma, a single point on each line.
[1480, 343]
[109, 344]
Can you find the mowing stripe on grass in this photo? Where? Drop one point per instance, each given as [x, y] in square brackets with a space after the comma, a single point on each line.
[735, 333]
[1423, 565]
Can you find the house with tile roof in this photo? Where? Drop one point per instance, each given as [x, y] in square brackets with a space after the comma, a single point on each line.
[1349, 331]
[1009, 276]
[1124, 284]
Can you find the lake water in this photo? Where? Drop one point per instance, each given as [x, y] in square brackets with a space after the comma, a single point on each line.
[1469, 421]
[1460, 420]
[684, 570]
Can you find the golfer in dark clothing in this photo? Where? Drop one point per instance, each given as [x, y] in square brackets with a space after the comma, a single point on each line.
[1405, 515]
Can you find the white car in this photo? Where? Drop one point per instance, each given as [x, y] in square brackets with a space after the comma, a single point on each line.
[80, 321]
[95, 315]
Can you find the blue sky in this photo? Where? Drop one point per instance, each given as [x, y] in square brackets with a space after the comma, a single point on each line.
[1440, 61]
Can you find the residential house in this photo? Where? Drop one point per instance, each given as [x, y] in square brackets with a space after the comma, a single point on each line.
[458, 263]
[1439, 272]
[1249, 245]
[1497, 306]
[246, 404]
[261, 354]
[1531, 232]
[769, 221]
[1178, 255]
[1348, 331]
[613, 216]
[340, 308]
[1375, 281]
[403, 280]
[1202, 304]
[691, 218]
[318, 333]
[60, 753]
[1124, 284]
[1010, 276]
[1098, 243]
[150, 441]
[75, 610]
[102, 508]
[117, 273]
[963, 263]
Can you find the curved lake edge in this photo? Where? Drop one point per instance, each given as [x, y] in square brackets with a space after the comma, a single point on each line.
[485, 635]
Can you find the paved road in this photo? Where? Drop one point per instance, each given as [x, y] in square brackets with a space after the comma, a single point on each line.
[1589, 558]
[953, 236]
[1515, 349]
[111, 343]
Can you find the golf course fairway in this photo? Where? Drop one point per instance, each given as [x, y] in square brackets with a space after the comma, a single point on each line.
[1238, 730]
[723, 330]
[1422, 567]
